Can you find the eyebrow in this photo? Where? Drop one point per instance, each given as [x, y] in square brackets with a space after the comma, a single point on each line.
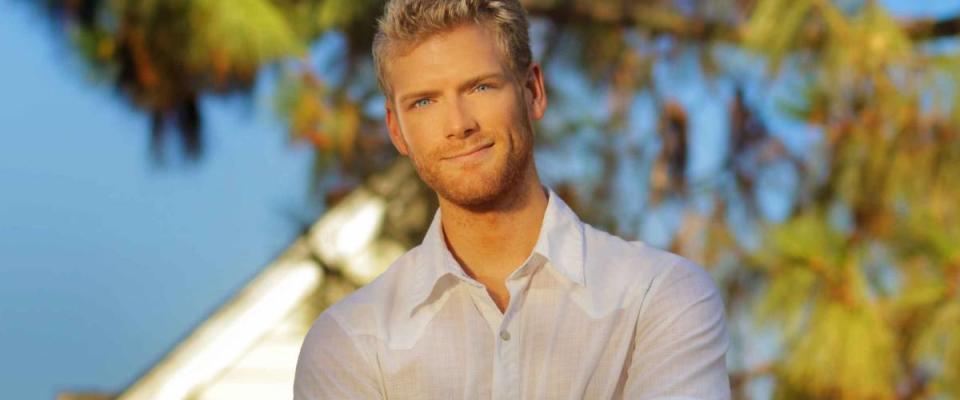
[469, 83]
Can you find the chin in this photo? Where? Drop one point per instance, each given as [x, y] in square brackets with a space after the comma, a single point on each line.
[480, 188]
[478, 191]
[466, 189]
[473, 198]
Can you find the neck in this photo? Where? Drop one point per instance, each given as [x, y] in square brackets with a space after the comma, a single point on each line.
[490, 244]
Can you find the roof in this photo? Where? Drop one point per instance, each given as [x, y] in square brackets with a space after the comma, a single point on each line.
[248, 347]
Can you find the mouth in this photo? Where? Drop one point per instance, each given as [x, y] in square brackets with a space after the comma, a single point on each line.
[471, 154]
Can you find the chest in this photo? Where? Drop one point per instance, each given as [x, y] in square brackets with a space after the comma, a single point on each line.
[544, 346]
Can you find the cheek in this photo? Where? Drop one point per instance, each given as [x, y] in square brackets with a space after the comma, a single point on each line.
[425, 148]
[497, 112]
[415, 133]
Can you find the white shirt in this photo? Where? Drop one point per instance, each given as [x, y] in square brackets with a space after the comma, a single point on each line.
[590, 316]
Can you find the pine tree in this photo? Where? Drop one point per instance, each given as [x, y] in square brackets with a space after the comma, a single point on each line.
[830, 215]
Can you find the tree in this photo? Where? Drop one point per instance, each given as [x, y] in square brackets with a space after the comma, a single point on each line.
[827, 205]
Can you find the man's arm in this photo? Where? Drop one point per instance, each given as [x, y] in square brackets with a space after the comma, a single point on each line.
[333, 365]
[681, 340]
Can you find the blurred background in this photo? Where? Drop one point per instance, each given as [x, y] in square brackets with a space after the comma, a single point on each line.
[185, 184]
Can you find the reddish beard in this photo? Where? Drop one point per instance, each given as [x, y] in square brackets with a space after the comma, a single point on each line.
[485, 191]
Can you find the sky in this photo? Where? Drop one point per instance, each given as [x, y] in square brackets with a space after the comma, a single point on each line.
[106, 260]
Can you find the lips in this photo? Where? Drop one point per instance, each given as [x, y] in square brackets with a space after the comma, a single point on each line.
[474, 151]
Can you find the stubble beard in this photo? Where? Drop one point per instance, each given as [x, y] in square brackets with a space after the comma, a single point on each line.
[483, 192]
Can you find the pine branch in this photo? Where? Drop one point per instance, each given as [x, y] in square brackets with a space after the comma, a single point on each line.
[661, 21]
[933, 28]
[653, 19]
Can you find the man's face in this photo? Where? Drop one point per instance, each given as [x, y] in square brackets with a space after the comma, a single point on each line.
[462, 118]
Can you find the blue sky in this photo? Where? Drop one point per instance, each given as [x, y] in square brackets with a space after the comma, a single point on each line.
[106, 261]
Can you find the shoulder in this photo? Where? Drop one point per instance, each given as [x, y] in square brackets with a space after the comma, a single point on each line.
[371, 308]
[620, 272]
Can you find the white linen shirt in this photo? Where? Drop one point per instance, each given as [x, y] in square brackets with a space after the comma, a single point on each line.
[590, 316]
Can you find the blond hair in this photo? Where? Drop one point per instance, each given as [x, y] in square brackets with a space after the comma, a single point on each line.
[406, 23]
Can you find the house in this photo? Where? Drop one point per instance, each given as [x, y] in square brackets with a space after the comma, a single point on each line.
[247, 349]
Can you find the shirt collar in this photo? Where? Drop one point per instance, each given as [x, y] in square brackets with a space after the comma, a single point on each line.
[560, 242]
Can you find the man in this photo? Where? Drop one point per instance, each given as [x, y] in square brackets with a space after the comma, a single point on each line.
[510, 295]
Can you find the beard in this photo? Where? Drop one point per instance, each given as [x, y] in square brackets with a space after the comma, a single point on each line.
[494, 184]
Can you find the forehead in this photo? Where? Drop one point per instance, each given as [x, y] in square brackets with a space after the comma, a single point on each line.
[445, 59]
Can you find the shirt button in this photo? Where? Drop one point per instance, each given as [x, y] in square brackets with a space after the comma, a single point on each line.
[505, 335]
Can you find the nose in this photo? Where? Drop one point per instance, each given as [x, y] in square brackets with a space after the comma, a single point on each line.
[460, 120]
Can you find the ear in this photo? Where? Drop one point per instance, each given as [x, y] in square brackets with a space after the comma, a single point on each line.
[536, 93]
[393, 127]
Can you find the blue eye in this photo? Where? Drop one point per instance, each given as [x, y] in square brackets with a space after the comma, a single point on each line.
[482, 87]
[421, 103]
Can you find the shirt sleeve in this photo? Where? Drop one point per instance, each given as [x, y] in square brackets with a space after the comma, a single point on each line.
[681, 340]
[334, 365]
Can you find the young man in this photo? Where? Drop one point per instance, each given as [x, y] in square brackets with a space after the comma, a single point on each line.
[510, 295]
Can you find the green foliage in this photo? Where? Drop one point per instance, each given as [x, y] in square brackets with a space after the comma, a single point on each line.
[239, 37]
[774, 26]
[801, 256]
[848, 352]
[859, 278]
[940, 342]
[343, 13]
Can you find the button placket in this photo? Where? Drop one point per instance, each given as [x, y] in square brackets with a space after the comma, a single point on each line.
[508, 347]
[508, 365]
[506, 374]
